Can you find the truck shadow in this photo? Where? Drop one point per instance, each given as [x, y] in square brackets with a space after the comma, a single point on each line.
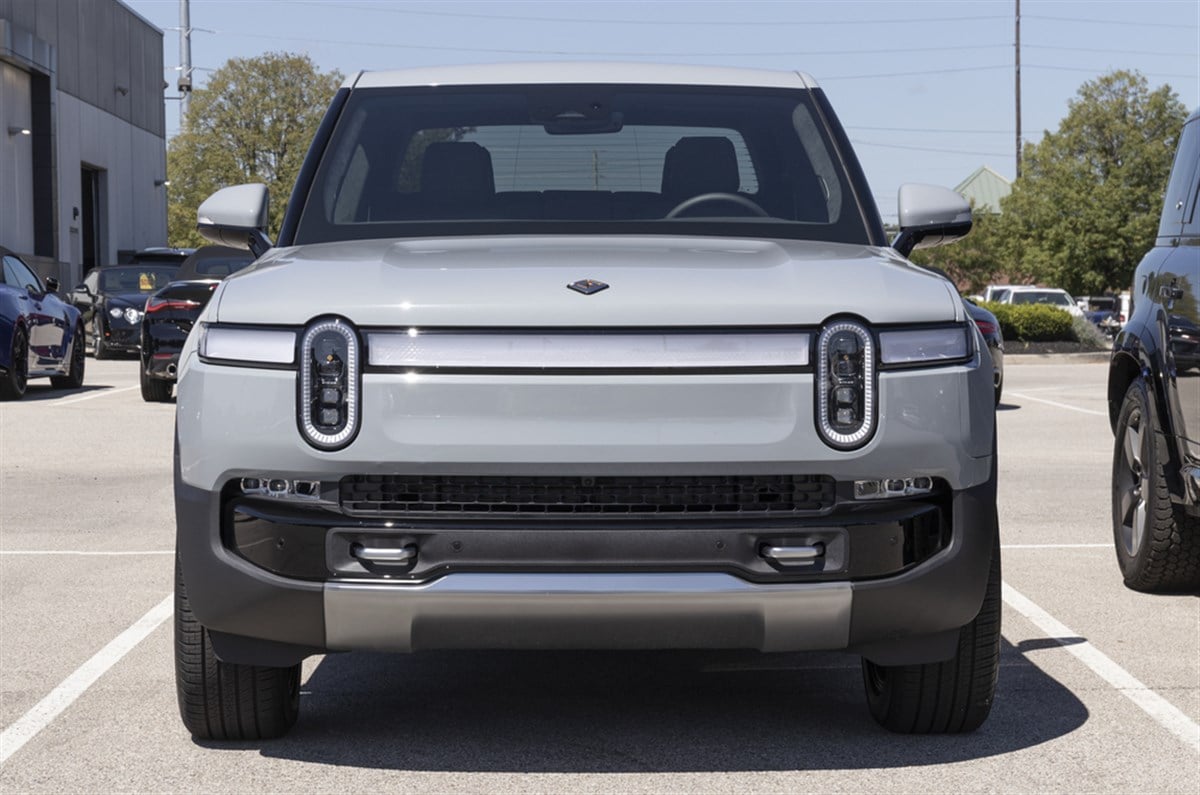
[618, 712]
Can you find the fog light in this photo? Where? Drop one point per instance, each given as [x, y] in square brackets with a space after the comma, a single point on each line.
[887, 488]
[281, 488]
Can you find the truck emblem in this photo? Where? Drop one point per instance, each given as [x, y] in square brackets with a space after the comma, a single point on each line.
[588, 286]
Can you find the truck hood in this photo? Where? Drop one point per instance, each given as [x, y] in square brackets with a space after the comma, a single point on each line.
[523, 281]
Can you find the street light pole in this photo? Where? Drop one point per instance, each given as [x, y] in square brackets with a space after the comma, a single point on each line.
[185, 61]
[1017, 46]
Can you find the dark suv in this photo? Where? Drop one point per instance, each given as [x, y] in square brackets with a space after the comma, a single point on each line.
[1154, 396]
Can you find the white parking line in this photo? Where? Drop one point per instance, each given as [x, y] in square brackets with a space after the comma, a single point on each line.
[92, 395]
[1162, 711]
[39, 716]
[83, 552]
[1056, 403]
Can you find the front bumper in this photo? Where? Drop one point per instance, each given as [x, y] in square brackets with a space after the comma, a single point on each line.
[912, 615]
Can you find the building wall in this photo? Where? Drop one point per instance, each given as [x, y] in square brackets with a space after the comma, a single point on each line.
[134, 210]
[93, 75]
[16, 163]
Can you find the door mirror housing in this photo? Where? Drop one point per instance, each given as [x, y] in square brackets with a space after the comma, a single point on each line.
[237, 217]
[51, 284]
[930, 215]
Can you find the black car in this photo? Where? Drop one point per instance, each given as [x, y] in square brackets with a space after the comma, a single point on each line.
[40, 334]
[989, 326]
[1154, 397]
[172, 311]
[161, 255]
[112, 300]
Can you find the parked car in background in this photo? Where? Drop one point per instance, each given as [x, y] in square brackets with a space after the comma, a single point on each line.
[172, 311]
[995, 292]
[1154, 396]
[112, 299]
[685, 395]
[1050, 296]
[40, 334]
[989, 327]
[161, 255]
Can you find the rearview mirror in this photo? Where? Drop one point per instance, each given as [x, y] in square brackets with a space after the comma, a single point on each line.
[237, 217]
[930, 215]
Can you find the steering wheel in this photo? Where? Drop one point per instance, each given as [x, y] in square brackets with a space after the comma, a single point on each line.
[736, 198]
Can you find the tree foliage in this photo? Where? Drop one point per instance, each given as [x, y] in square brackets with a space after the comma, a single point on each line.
[1087, 203]
[253, 122]
[977, 260]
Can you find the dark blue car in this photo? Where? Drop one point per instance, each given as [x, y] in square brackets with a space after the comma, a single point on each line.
[40, 334]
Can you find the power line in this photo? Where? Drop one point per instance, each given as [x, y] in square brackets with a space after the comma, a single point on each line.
[1122, 22]
[942, 150]
[928, 130]
[672, 22]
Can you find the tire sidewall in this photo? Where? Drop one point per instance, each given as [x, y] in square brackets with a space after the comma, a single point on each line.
[17, 380]
[1137, 400]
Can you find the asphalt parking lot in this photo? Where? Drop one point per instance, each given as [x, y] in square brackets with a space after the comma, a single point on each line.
[1099, 686]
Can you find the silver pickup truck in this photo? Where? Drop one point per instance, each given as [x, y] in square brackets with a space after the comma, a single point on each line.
[589, 356]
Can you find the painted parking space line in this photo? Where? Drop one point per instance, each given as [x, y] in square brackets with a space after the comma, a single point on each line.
[85, 553]
[94, 395]
[26, 727]
[1158, 708]
[1056, 403]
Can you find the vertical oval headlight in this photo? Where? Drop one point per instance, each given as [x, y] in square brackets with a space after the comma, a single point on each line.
[329, 384]
[845, 385]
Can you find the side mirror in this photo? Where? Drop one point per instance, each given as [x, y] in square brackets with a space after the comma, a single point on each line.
[237, 217]
[51, 284]
[930, 216]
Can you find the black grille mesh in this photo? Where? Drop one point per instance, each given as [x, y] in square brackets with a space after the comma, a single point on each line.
[717, 494]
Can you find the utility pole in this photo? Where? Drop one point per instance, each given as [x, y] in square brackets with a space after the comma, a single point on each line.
[185, 61]
[1017, 46]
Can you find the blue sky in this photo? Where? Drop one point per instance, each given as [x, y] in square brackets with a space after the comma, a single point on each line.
[925, 89]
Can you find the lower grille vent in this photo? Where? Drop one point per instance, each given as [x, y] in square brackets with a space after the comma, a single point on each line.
[728, 495]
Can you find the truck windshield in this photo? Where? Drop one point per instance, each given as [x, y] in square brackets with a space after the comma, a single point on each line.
[584, 159]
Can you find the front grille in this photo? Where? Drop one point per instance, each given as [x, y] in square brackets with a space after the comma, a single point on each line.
[715, 495]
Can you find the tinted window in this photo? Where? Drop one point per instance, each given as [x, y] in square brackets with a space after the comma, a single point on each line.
[17, 274]
[1181, 189]
[623, 159]
[1054, 299]
[135, 278]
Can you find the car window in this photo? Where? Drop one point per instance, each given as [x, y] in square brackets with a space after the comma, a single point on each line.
[1181, 189]
[17, 274]
[140, 278]
[1031, 297]
[478, 160]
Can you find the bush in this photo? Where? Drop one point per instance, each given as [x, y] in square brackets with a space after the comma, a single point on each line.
[1032, 322]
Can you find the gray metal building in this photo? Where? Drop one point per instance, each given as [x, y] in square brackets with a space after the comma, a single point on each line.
[82, 134]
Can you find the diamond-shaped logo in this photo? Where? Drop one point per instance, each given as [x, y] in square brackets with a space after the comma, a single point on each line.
[588, 286]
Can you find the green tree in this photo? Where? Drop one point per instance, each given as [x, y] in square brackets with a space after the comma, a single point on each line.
[1087, 203]
[253, 122]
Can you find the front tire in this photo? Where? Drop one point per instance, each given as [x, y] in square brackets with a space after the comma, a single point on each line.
[1157, 543]
[74, 377]
[12, 385]
[225, 701]
[154, 390]
[946, 697]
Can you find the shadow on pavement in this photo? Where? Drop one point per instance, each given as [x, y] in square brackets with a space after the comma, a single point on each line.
[616, 712]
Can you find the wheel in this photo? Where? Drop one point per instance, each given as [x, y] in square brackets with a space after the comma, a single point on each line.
[946, 697]
[704, 198]
[74, 377]
[99, 347]
[154, 390]
[224, 701]
[12, 385]
[1157, 544]
[999, 388]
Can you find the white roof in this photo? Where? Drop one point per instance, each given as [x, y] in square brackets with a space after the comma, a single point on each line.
[575, 72]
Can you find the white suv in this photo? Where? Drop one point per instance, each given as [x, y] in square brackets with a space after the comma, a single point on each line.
[585, 356]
